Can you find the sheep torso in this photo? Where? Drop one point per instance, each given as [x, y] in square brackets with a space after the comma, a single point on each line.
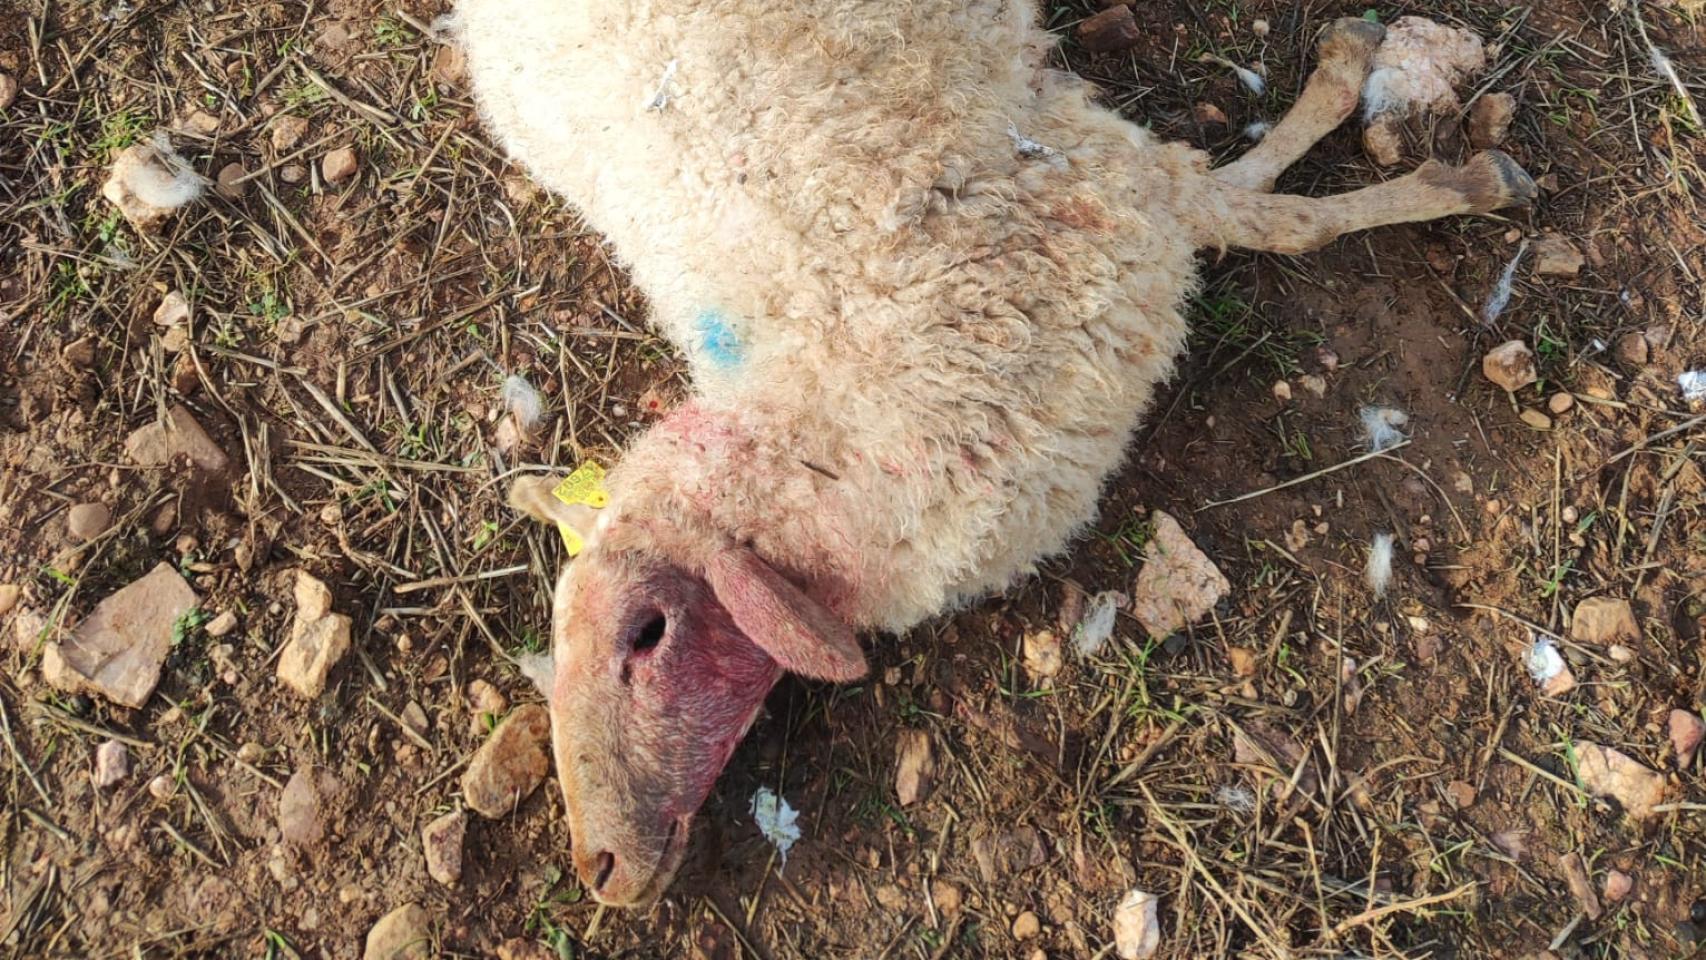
[925, 287]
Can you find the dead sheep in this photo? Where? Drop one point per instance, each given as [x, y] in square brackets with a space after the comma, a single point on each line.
[926, 287]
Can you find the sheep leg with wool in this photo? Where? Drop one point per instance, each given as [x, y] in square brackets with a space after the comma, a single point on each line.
[1329, 98]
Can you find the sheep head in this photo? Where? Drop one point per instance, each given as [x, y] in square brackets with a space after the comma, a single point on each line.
[662, 657]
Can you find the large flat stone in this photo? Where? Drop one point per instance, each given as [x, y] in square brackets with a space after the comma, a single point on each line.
[117, 651]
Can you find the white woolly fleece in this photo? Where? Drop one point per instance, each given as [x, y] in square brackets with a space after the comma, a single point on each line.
[919, 345]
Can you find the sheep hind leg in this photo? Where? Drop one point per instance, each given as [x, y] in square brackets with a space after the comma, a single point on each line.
[1329, 97]
[1280, 223]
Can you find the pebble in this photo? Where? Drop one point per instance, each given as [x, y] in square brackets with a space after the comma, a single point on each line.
[1604, 620]
[339, 165]
[1043, 657]
[1536, 419]
[947, 896]
[1633, 349]
[79, 354]
[1026, 925]
[1607, 772]
[915, 768]
[1208, 114]
[415, 718]
[300, 807]
[173, 310]
[293, 173]
[403, 934]
[8, 90]
[1461, 793]
[1178, 583]
[1110, 31]
[9, 594]
[1560, 403]
[1510, 365]
[442, 841]
[318, 638]
[179, 435]
[287, 132]
[117, 651]
[86, 521]
[148, 183]
[510, 765]
[485, 700]
[1282, 391]
[1137, 926]
[251, 752]
[1490, 119]
[112, 763]
[1686, 731]
[1555, 256]
[221, 625]
[161, 787]
[1243, 661]
[1617, 886]
[230, 183]
[1576, 876]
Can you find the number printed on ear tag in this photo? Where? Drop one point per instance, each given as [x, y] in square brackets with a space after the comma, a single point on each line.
[585, 485]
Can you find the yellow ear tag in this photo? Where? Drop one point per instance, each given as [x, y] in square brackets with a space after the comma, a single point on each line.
[584, 486]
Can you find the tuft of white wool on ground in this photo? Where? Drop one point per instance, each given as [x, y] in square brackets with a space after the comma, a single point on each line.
[1544, 661]
[1693, 384]
[1381, 427]
[523, 402]
[1418, 67]
[1379, 570]
[158, 176]
[1257, 130]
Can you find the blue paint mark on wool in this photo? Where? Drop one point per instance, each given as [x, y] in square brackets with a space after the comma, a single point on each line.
[719, 340]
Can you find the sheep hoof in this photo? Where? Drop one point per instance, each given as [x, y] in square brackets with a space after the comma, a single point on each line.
[1496, 180]
[1351, 41]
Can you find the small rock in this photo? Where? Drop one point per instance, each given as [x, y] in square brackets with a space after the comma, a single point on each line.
[175, 339]
[915, 770]
[890, 898]
[1461, 793]
[1384, 142]
[118, 649]
[1490, 119]
[230, 183]
[162, 787]
[403, 934]
[1608, 773]
[148, 182]
[1510, 365]
[414, 717]
[510, 765]
[485, 701]
[516, 948]
[8, 90]
[200, 122]
[1560, 404]
[86, 521]
[339, 165]
[947, 897]
[1137, 926]
[442, 840]
[1026, 925]
[179, 435]
[293, 173]
[318, 639]
[221, 625]
[1243, 661]
[301, 806]
[112, 763]
[1178, 584]
[450, 65]
[1534, 418]
[251, 752]
[1576, 875]
[1110, 31]
[173, 310]
[1043, 658]
[1208, 114]
[1314, 384]
[287, 132]
[1559, 683]
[1686, 731]
[1282, 391]
[1556, 257]
[1633, 349]
[9, 594]
[1604, 620]
[1259, 27]
[1620, 653]
[1617, 886]
[79, 354]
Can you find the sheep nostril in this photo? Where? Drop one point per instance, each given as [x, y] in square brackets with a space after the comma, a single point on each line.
[606, 867]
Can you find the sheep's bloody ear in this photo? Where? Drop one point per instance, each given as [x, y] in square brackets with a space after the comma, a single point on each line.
[795, 630]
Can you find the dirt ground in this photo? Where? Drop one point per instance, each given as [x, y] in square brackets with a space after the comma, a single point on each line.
[1310, 771]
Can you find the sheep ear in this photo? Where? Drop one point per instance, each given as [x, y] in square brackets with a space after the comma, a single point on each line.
[799, 633]
[532, 496]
